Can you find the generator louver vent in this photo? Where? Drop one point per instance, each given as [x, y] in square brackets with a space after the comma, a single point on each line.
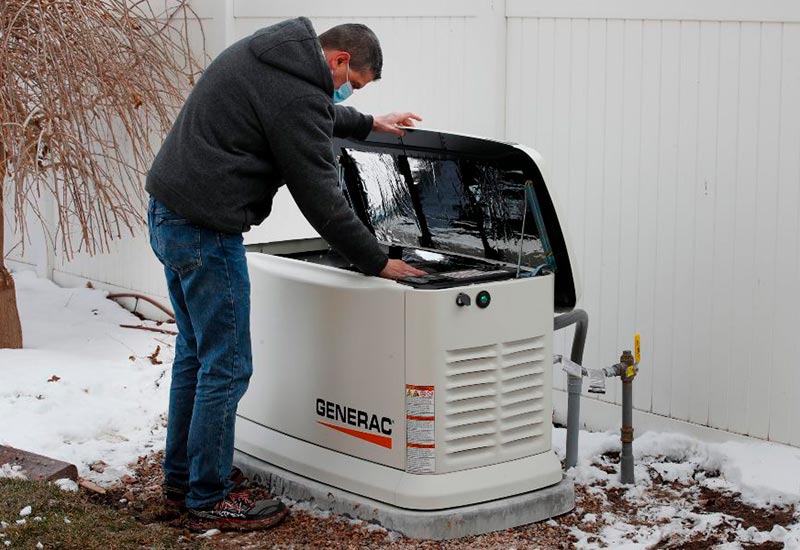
[493, 399]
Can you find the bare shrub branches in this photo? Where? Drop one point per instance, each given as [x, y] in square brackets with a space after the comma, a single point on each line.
[85, 85]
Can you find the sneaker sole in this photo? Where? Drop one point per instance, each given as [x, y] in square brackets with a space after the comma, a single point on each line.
[239, 483]
[237, 524]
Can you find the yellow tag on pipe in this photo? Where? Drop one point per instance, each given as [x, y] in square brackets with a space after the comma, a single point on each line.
[637, 348]
[631, 372]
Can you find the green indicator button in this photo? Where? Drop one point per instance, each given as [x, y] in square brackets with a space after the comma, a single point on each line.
[483, 299]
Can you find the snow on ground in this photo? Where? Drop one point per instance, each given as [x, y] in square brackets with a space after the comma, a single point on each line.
[764, 473]
[83, 388]
[12, 471]
[716, 495]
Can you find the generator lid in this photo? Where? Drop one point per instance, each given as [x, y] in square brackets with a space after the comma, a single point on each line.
[458, 194]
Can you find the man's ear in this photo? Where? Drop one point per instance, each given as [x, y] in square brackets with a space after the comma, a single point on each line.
[342, 58]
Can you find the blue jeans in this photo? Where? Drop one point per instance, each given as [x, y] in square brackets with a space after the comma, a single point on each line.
[210, 291]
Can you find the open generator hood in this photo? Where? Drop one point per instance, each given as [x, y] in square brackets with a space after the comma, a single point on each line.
[455, 194]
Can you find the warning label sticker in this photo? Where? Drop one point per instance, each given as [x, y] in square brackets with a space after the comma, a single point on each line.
[420, 430]
[420, 460]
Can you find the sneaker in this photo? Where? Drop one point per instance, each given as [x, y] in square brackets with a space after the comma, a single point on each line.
[175, 497]
[238, 512]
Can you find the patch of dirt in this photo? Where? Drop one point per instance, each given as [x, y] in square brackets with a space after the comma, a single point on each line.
[613, 500]
[620, 504]
[701, 543]
[607, 468]
[140, 496]
[750, 516]
[611, 456]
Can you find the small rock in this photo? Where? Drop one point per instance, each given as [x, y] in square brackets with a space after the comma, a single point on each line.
[128, 496]
[93, 487]
[98, 466]
[25, 511]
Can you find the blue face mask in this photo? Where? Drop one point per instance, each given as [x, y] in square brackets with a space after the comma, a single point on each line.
[345, 90]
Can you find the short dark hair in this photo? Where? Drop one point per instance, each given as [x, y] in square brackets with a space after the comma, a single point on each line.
[360, 42]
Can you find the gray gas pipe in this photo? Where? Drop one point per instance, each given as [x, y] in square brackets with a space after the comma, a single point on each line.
[626, 370]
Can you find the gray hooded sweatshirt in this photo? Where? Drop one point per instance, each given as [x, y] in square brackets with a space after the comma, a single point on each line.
[262, 116]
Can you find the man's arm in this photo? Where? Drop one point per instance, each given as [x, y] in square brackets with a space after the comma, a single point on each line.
[300, 140]
[350, 123]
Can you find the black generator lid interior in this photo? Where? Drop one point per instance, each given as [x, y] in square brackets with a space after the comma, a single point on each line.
[460, 195]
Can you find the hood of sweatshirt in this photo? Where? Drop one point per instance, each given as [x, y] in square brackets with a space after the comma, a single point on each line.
[293, 47]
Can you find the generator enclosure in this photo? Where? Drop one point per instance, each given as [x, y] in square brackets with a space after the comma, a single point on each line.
[431, 392]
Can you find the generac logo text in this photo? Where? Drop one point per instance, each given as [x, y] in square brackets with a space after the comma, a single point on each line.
[354, 417]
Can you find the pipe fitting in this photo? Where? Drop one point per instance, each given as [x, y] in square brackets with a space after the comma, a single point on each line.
[626, 434]
[628, 367]
[613, 370]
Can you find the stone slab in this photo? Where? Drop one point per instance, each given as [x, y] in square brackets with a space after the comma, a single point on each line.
[37, 467]
[445, 524]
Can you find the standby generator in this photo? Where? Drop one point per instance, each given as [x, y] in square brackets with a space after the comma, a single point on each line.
[430, 392]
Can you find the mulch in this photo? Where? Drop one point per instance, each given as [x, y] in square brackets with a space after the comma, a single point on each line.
[140, 495]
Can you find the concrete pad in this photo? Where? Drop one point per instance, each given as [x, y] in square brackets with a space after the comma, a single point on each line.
[37, 467]
[445, 524]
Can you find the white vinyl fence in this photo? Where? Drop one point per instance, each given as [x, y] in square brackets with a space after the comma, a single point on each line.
[672, 135]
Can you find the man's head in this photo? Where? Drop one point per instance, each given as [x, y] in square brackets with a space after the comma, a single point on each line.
[353, 53]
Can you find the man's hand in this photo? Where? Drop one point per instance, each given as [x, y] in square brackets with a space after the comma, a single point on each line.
[398, 269]
[387, 123]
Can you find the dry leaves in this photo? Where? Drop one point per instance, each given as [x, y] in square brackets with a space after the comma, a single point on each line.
[154, 356]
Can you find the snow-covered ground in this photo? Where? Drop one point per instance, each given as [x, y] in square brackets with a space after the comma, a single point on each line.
[685, 490]
[85, 389]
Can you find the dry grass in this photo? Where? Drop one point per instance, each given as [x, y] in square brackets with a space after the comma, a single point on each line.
[72, 521]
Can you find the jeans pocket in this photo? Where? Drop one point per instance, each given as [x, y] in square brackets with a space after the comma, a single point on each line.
[163, 216]
[176, 242]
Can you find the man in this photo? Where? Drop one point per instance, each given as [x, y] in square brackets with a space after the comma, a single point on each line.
[261, 116]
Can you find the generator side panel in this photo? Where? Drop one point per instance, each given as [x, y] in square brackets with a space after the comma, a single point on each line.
[487, 372]
[328, 360]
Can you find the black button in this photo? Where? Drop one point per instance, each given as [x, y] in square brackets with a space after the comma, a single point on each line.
[462, 299]
[483, 299]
